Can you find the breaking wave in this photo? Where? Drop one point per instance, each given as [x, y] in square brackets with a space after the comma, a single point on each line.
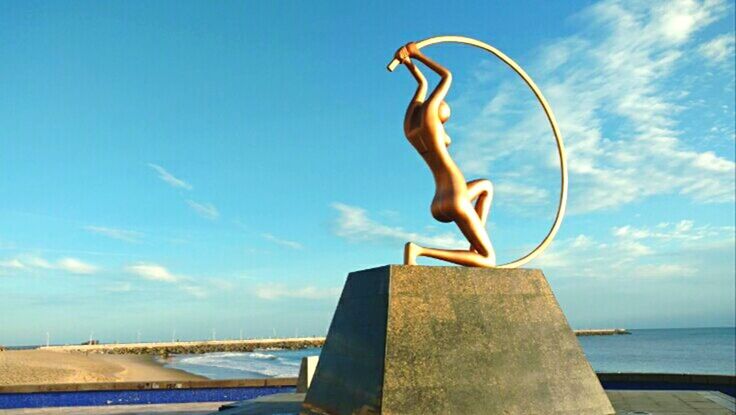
[233, 365]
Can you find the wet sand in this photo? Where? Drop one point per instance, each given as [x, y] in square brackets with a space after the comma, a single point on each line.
[24, 367]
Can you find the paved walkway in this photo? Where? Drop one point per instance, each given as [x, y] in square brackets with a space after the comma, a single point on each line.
[625, 403]
[196, 408]
[671, 403]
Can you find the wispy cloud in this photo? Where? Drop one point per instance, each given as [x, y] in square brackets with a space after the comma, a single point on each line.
[206, 210]
[611, 89]
[666, 250]
[153, 272]
[34, 261]
[28, 262]
[169, 178]
[76, 266]
[279, 291]
[684, 230]
[115, 233]
[283, 242]
[156, 272]
[12, 264]
[354, 224]
[719, 49]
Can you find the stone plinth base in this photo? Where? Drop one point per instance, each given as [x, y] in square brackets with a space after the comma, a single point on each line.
[451, 340]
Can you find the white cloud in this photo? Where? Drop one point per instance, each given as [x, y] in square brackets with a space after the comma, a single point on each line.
[719, 49]
[664, 271]
[279, 291]
[114, 233]
[12, 264]
[153, 272]
[684, 230]
[156, 272]
[282, 242]
[33, 261]
[170, 178]
[611, 89]
[27, 262]
[76, 266]
[678, 20]
[206, 210]
[354, 224]
[667, 250]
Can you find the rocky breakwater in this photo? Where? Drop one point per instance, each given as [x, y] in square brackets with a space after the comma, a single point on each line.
[194, 347]
[601, 332]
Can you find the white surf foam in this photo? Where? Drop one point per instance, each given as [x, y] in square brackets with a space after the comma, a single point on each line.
[264, 364]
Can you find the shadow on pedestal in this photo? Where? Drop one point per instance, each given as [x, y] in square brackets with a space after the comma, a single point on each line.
[451, 340]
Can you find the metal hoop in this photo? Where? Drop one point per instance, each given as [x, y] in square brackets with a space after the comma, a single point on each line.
[552, 122]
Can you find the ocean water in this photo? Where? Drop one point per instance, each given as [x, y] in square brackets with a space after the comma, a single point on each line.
[235, 365]
[711, 351]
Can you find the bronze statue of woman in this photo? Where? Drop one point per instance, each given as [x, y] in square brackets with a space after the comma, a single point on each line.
[454, 197]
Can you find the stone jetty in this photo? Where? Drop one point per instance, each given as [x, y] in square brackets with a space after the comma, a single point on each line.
[193, 347]
[601, 332]
[249, 345]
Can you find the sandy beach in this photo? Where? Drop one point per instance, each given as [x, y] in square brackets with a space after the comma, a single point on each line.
[22, 367]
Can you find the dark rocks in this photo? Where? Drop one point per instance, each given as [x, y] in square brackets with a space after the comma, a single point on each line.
[195, 347]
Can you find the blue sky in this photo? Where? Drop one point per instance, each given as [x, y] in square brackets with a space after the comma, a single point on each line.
[190, 166]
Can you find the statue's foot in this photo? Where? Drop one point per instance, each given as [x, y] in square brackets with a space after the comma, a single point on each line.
[411, 252]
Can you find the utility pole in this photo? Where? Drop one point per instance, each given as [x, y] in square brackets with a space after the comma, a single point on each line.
[173, 336]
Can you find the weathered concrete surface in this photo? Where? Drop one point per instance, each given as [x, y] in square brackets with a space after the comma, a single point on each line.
[306, 373]
[625, 403]
[349, 375]
[277, 404]
[426, 340]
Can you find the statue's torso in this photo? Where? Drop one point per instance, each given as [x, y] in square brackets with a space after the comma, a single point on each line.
[427, 135]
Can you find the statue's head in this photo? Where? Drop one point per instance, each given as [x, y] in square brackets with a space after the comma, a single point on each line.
[444, 112]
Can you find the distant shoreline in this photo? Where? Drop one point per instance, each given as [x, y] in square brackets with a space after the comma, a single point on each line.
[20, 367]
[601, 332]
[192, 347]
[212, 346]
[38, 346]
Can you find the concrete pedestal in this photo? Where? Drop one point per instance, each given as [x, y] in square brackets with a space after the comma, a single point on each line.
[451, 340]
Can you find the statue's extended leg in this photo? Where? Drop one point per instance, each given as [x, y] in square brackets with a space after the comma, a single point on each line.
[482, 190]
[480, 255]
